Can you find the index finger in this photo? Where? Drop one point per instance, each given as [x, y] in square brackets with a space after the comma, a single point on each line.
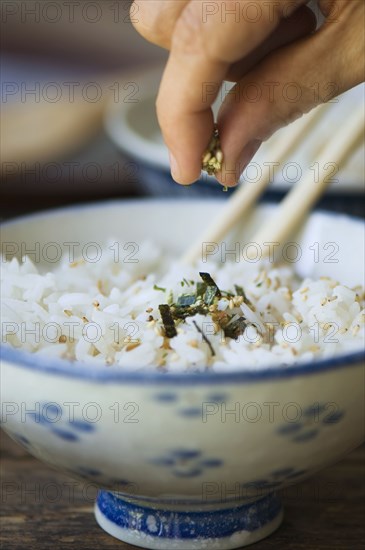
[203, 47]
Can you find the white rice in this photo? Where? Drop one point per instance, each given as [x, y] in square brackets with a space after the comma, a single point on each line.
[106, 313]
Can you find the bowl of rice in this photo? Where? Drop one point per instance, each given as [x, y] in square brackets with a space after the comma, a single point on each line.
[189, 394]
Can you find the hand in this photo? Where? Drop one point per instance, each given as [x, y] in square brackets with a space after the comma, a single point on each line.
[282, 69]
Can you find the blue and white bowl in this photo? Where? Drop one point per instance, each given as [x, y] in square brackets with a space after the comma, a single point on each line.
[185, 461]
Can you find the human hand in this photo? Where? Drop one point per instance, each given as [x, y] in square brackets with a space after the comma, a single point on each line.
[282, 69]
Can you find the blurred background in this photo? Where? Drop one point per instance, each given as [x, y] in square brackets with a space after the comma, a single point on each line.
[77, 113]
[60, 66]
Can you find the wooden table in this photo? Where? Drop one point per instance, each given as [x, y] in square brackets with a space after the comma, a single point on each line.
[43, 509]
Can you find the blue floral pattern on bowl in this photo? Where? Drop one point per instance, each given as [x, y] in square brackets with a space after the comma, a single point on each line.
[178, 529]
[54, 418]
[186, 462]
[275, 479]
[313, 419]
[170, 398]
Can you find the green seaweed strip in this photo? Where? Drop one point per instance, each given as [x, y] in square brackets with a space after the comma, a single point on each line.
[200, 289]
[210, 294]
[160, 288]
[209, 281]
[212, 289]
[186, 300]
[204, 338]
[182, 312]
[168, 321]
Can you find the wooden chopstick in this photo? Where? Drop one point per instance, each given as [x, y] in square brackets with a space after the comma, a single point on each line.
[304, 195]
[249, 192]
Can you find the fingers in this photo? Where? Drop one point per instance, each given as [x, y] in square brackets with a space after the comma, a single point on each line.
[202, 50]
[155, 19]
[286, 84]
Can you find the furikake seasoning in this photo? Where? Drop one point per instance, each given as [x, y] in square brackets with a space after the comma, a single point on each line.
[212, 159]
[202, 298]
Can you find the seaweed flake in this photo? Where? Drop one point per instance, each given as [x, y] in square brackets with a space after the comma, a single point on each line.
[168, 321]
[206, 340]
[212, 289]
[186, 300]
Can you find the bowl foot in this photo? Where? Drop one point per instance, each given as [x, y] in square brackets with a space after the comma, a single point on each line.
[164, 529]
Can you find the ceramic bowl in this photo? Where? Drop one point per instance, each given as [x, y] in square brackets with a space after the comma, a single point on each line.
[185, 461]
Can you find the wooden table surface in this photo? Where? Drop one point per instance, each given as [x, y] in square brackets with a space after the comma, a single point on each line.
[43, 509]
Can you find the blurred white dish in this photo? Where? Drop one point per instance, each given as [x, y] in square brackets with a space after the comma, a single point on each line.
[132, 125]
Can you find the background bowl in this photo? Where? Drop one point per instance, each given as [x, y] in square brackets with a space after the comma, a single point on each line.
[185, 461]
[133, 128]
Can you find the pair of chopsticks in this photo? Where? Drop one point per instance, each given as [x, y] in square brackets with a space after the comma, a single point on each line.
[346, 139]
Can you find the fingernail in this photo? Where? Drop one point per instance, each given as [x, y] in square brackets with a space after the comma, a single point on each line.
[175, 171]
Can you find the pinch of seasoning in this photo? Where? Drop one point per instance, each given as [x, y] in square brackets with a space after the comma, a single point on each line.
[150, 318]
[85, 319]
[212, 159]
[62, 339]
[304, 290]
[149, 310]
[96, 303]
[67, 312]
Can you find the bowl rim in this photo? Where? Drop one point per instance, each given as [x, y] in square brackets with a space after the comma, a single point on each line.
[79, 370]
[87, 371]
